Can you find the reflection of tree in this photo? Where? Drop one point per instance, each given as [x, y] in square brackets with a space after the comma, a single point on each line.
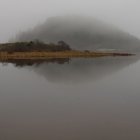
[34, 46]
[36, 62]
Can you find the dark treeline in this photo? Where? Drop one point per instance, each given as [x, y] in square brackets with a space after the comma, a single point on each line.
[34, 46]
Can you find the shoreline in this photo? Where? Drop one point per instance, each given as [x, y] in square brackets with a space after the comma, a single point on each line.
[58, 54]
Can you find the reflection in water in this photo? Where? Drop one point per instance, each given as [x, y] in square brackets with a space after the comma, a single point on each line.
[35, 62]
[75, 70]
[33, 108]
[83, 70]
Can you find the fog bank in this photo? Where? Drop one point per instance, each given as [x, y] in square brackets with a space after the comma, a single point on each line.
[17, 15]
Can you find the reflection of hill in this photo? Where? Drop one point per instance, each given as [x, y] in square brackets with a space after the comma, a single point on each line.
[84, 70]
[80, 70]
[82, 33]
[75, 70]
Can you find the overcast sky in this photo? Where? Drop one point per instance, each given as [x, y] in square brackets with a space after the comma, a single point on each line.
[20, 15]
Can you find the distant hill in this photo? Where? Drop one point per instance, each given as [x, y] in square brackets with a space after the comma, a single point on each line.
[82, 33]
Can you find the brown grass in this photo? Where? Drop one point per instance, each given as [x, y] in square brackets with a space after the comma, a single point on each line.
[63, 54]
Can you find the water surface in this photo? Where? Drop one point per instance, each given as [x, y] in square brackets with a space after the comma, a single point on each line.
[70, 99]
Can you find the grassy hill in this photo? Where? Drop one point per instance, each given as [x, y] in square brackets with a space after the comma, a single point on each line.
[82, 33]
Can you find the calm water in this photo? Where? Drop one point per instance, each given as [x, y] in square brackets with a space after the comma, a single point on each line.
[78, 99]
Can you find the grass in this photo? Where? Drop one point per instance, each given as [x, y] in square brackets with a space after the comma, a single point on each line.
[60, 54]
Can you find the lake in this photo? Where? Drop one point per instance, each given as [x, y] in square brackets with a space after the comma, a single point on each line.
[70, 99]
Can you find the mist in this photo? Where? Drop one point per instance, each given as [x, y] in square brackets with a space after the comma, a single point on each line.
[91, 92]
[17, 16]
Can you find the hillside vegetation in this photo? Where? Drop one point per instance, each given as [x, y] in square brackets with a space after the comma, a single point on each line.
[34, 46]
